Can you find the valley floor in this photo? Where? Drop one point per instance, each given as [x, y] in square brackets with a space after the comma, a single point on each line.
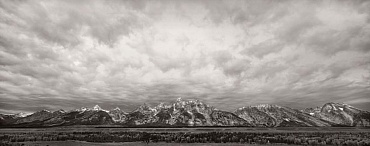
[81, 143]
[86, 136]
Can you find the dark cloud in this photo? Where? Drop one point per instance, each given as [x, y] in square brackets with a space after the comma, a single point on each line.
[61, 22]
[68, 54]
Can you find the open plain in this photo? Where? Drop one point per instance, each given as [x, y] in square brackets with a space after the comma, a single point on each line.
[88, 135]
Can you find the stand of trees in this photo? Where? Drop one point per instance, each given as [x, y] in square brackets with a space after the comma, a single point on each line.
[297, 138]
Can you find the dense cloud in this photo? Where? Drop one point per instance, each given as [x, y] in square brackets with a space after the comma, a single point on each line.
[68, 54]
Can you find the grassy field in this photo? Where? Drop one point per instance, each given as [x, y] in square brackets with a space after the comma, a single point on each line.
[86, 136]
[79, 143]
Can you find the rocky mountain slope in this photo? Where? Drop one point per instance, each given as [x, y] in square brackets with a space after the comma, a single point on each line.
[44, 118]
[340, 114]
[118, 115]
[274, 116]
[183, 113]
[196, 113]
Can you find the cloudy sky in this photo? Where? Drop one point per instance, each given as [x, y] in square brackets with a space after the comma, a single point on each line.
[229, 54]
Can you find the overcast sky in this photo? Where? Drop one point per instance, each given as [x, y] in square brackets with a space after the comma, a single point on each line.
[229, 54]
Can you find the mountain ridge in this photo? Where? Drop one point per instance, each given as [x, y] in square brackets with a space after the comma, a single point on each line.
[196, 113]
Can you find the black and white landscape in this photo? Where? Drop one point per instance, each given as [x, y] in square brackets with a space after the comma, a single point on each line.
[132, 72]
[195, 113]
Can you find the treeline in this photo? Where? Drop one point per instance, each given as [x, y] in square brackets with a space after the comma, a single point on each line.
[299, 138]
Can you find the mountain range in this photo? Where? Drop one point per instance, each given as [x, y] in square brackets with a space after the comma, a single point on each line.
[195, 113]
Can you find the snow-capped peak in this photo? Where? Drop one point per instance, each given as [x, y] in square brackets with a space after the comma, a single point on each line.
[61, 111]
[44, 110]
[263, 105]
[22, 114]
[97, 108]
[83, 109]
[117, 109]
[160, 105]
[144, 107]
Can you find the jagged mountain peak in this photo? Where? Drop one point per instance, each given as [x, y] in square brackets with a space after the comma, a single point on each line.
[337, 104]
[277, 116]
[117, 110]
[22, 114]
[197, 113]
[197, 102]
[161, 106]
[340, 114]
[334, 104]
[45, 110]
[267, 106]
[117, 115]
[60, 111]
[260, 106]
[145, 107]
[338, 107]
[181, 101]
[82, 109]
[97, 108]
